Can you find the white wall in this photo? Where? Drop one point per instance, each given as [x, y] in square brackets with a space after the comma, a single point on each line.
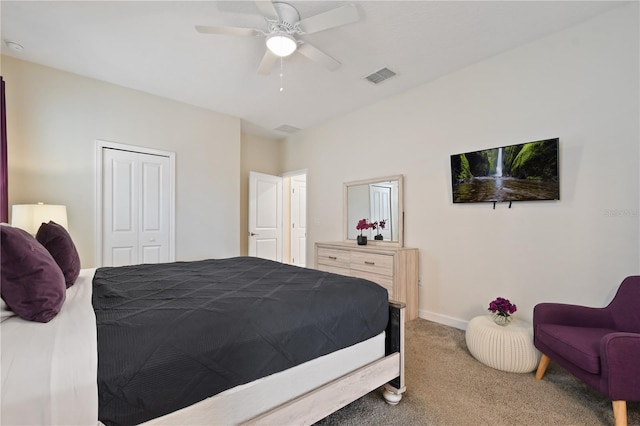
[54, 118]
[581, 85]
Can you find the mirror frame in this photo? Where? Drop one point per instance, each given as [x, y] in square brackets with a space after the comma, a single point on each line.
[345, 232]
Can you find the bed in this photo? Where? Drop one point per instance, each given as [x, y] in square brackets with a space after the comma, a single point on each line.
[49, 370]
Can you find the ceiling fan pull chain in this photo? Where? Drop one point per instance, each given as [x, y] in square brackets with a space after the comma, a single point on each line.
[281, 75]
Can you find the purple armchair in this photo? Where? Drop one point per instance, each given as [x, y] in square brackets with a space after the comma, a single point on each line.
[600, 346]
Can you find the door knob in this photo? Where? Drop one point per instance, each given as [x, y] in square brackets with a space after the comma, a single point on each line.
[253, 233]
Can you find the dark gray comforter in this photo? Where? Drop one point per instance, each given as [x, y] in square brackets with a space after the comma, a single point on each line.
[170, 335]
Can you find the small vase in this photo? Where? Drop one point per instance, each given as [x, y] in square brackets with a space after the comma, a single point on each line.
[362, 240]
[501, 320]
[378, 237]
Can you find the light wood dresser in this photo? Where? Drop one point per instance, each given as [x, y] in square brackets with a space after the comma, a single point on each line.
[394, 268]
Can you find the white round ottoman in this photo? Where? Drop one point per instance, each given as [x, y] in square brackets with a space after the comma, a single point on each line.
[509, 348]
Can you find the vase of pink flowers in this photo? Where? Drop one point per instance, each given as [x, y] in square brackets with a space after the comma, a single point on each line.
[363, 224]
[501, 311]
[379, 226]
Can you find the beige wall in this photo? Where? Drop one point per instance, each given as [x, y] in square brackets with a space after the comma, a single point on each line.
[54, 118]
[258, 155]
[581, 85]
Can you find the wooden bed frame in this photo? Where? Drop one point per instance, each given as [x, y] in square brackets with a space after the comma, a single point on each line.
[319, 403]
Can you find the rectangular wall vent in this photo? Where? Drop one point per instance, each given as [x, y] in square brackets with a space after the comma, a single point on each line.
[380, 75]
[287, 128]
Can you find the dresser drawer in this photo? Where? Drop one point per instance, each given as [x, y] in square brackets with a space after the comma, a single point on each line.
[336, 258]
[381, 264]
[334, 269]
[382, 280]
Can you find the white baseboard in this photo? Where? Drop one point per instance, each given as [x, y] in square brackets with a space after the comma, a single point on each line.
[443, 319]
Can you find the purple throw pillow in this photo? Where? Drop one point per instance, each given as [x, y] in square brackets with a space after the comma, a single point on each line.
[58, 242]
[31, 282]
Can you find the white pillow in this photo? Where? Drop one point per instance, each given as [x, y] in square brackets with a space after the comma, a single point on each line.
[5, 312]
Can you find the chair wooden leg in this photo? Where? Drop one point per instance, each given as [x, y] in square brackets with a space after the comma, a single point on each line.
[620, 413]
[542, 367]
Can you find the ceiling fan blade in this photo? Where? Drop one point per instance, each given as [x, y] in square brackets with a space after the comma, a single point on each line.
[333, 18]
[266, 64]
[267, 9]
[319, 56]
[236, 31]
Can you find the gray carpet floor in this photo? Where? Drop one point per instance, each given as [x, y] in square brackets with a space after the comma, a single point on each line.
[447, 386]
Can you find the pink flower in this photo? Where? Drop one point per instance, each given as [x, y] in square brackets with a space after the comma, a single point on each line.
[380, 225]
[363, 224]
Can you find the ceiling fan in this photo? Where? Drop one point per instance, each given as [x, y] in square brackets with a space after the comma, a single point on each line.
[283, 27]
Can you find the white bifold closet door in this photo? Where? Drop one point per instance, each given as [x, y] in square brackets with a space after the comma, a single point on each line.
[136, 208]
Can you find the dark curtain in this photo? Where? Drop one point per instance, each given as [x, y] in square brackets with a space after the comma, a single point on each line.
[4, 186]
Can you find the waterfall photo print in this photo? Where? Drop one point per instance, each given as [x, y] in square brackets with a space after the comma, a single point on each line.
[523, 172]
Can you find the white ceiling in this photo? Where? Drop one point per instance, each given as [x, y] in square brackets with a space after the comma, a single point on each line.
[153, 47]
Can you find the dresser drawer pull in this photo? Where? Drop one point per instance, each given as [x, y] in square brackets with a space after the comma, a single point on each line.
[366, 262]
[333, 258]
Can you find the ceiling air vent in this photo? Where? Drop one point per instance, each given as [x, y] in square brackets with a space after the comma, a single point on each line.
[380, 75]
[287, 128]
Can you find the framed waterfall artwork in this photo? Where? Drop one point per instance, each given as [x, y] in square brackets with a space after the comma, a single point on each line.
[523, 172]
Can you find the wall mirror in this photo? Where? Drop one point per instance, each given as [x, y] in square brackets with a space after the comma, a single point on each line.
[375, 200]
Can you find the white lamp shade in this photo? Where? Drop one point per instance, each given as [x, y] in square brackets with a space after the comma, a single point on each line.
[30, 216]
[281, 44]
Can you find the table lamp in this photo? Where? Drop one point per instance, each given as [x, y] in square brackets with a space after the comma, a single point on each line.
[30, 216]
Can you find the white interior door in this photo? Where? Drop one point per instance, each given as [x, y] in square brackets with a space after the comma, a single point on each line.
[265, 216]
[136, 208]
[299, 220]
[381, 208]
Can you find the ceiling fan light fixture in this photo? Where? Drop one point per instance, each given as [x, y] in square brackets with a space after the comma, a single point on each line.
[281, 44]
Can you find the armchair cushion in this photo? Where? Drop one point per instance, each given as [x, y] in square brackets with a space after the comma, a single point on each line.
[579, 345]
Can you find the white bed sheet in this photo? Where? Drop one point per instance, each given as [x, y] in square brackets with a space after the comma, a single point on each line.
[49, 370]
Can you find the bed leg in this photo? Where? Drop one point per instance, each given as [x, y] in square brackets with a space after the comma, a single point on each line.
[395, 343]
[391, 395]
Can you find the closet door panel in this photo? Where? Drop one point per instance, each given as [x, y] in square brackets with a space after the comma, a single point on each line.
[120, 192]
[153, 238]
